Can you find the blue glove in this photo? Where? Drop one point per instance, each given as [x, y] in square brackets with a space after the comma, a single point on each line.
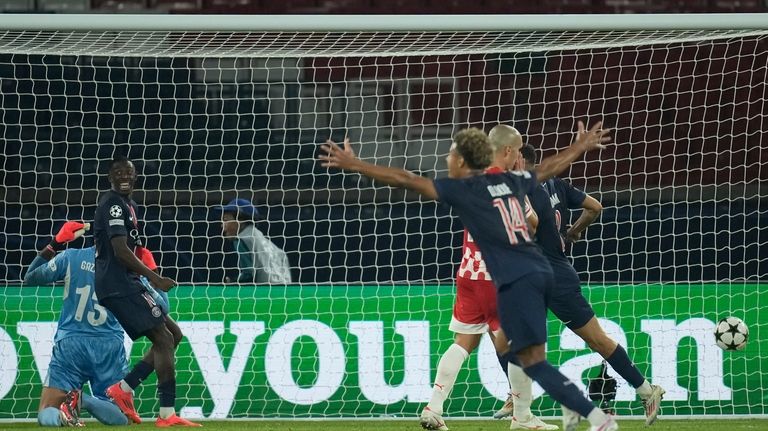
[160, 297]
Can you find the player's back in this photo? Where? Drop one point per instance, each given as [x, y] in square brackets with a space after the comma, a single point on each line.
[563, 197]
[81, 314]
[547, 233]
[551, 242]
[491, 208]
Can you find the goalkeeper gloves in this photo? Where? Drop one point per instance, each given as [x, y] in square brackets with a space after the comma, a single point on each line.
[145, 256]
[71, 231]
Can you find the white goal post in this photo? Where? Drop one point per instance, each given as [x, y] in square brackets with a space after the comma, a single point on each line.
[214, 107]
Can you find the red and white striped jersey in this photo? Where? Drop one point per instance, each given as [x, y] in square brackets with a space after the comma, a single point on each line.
[472, 264]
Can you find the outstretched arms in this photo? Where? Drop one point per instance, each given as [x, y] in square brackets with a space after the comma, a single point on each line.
[345, 159]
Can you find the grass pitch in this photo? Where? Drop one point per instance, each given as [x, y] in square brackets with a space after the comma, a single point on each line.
[413, 425]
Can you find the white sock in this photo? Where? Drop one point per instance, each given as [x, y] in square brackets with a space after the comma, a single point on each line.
[644, 391]
[522, 391]
[447, 370]
[125, 387]
[597, 417]
[166, 412]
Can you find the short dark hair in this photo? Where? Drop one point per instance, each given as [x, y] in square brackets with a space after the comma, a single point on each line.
[529, 154]
[119, 158]
[472, 144]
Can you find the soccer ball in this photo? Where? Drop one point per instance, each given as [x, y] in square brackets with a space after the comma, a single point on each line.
[731, 333]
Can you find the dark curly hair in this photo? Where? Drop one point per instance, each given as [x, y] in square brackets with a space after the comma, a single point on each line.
[529, 154]
[472, 144]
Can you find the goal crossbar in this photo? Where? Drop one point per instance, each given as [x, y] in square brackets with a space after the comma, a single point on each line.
[354, 23]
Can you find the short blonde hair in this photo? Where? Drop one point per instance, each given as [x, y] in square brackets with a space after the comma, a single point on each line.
[502, 136]
[472, 144]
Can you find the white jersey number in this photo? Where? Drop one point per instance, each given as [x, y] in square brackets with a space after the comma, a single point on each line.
[96, 317]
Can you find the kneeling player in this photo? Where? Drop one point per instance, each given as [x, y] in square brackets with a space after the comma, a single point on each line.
[88, 345]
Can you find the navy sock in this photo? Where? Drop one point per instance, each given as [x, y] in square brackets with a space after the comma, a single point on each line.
[559, 387]
[510, 357]
[166, 391]
[141, 371]
[503, 362]
[620, 362]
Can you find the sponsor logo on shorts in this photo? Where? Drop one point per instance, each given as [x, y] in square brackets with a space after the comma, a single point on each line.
[156, 311]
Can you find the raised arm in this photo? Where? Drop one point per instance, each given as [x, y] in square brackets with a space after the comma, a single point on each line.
[586, 140]
[590, 210]
[345, 159]
[39, 273]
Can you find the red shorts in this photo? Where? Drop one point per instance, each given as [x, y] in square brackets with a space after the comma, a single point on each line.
[475, 309]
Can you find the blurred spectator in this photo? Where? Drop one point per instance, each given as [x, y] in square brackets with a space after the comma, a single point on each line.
[260, 261]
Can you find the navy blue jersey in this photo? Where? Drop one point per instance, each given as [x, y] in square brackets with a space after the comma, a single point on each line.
[547, 233]
[563, 197]
[491, 208]
[115, 216]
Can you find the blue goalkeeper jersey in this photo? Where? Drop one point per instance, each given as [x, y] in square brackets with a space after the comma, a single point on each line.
[81, 314]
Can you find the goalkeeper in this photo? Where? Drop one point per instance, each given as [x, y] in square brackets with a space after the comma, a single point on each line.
[88, 345]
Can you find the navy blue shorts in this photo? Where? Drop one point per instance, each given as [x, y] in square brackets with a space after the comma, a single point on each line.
[137, 312]
[522, 309]
[566, 300]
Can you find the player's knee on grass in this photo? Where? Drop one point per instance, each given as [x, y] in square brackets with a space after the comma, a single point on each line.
[49, 417]
[104, 411]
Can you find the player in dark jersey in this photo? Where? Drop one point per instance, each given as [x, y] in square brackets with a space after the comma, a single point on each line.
[118, 287]
[490, 205]
[564, 199]
[475, 312]
[567, 302]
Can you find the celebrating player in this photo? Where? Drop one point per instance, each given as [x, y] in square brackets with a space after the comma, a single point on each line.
[566, 300]
[88, 345]
[119, 289]
[490, 207]
[474, 312]
[564, 198]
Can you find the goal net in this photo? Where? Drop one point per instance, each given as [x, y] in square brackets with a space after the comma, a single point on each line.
[209, 116]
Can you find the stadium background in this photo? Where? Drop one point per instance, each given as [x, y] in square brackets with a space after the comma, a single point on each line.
[665, 220]
[210, 130]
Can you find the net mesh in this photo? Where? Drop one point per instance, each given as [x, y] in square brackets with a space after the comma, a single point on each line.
[212, 116]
